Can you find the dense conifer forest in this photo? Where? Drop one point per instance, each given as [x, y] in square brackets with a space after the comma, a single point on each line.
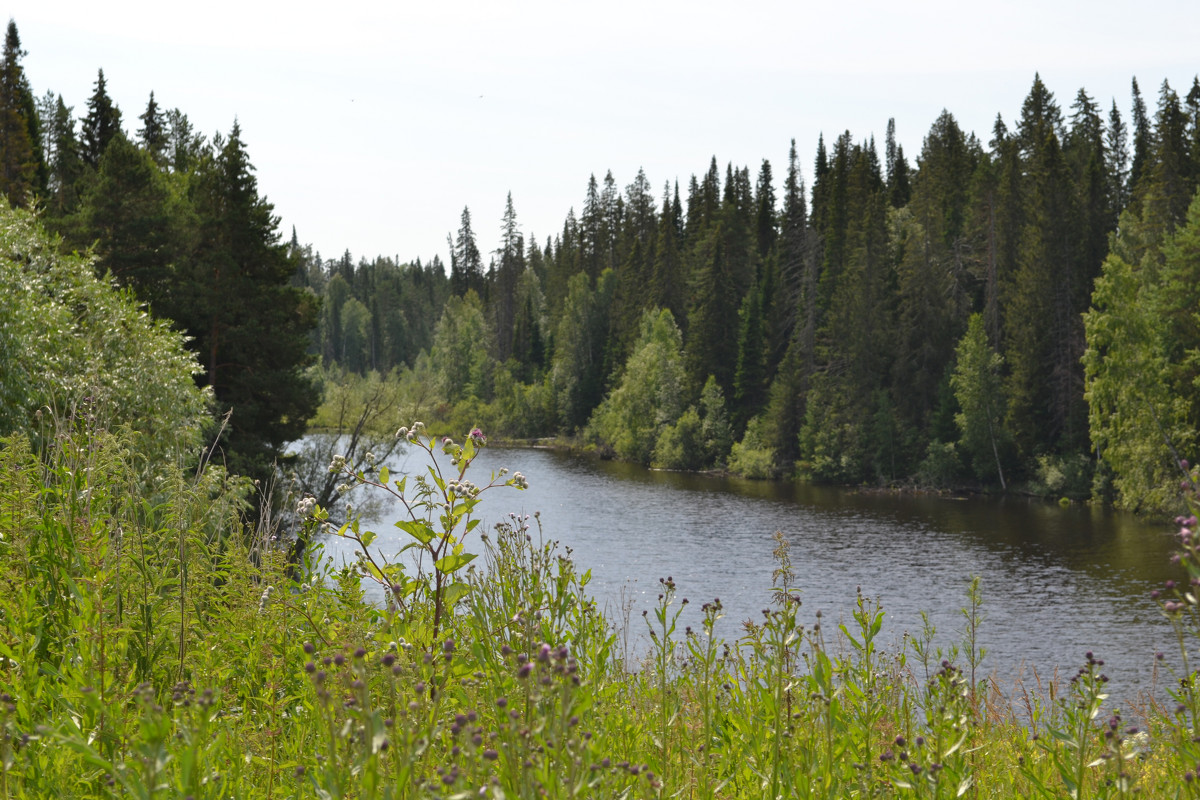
[1009, 311]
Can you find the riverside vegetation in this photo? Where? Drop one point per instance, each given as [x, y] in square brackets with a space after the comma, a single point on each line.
[154, 645]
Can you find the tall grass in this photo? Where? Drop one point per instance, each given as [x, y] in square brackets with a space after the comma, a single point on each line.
[151, 647]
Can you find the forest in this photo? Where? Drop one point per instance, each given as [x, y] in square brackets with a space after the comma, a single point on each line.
[1021, 315]
[1014, 313]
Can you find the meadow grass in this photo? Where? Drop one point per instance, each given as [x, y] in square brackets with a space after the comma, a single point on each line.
[153, 646]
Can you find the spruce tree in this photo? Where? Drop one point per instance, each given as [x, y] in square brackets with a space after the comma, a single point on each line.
[466, 263]
[128, 214]
[101, 124]
[1142, 142]
[503, 295]
[66, 165]
[249, 326]
[153, 133]
[21, 168]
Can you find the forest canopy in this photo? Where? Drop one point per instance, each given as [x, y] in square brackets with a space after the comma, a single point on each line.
[1006, 311]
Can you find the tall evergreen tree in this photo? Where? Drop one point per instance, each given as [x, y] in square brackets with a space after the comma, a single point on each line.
[249, 326]
[128, 214]
[101, 124]
[66, 165]
[153, 133]
[1142, 142]
[466, 263]
[22, 171]
[503, 296]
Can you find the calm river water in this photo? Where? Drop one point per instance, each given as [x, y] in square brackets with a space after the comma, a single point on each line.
[1057, 582]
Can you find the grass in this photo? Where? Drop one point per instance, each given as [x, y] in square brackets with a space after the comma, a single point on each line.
[154, 647]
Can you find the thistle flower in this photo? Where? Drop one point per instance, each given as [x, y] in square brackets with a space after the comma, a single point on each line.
[477, 437]
[306, 506]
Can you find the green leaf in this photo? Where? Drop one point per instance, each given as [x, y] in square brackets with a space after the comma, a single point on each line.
[453, 562]
[416, 529]
[384, 475]
[455, 592]
[368, 537]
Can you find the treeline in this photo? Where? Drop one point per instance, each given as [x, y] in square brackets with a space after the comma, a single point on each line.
[936, 321]
[176, 218]
[897, 322]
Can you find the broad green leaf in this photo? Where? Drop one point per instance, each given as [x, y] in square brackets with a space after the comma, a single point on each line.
[453, 562]
[384, 475]
[416, 529]
[368, 537]
[455, 592]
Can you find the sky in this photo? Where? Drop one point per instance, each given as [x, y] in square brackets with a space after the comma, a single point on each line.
[373, 124]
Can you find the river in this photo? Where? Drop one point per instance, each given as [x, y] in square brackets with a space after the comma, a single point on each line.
[1057, 582]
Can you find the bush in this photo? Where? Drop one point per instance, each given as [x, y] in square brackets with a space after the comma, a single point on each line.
[751, 457]
[72, 344]
[679, 445]
[941, 467]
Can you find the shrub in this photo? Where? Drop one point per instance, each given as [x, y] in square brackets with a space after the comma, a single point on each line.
[73, 344]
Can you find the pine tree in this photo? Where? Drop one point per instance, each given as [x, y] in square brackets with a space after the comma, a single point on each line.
[153, 133]
[128, 214]
[1167, 183]
[667, 287]
[22, 171]
[1117, 142]
[101, 124]
[937, 268]
[66, 165]
[503, 295]
[1142, 142]
[250, 327]
[185, 147]
[466, 263]
[750, 377]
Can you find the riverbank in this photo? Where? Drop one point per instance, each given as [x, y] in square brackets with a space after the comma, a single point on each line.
[243, 682]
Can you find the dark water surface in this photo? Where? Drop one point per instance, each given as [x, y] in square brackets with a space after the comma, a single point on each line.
[1057, 582]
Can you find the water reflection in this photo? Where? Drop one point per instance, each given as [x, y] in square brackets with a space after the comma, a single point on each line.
[1057, 582]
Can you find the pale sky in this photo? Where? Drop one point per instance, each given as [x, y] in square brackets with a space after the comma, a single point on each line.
[372, 124]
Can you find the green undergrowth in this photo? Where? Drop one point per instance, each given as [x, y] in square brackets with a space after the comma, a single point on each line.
[151, 647]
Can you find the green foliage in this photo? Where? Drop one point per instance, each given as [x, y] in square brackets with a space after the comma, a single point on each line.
[148, 652]
[460, 350]
[753, 457]
[941, 467]
[578, 347]
[73, 343]
[979, 391]
[650, 394]
[1142, 340]
[1063, 476]
[680, 445]
[249, 325]
[715, 430]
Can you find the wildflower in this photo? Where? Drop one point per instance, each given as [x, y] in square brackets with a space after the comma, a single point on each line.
[266, 596]
[402, 433]
[477, 437]
[518, 480]
[337, 464]
[306, 506]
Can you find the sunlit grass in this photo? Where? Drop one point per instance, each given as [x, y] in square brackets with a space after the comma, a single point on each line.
[152, 647]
